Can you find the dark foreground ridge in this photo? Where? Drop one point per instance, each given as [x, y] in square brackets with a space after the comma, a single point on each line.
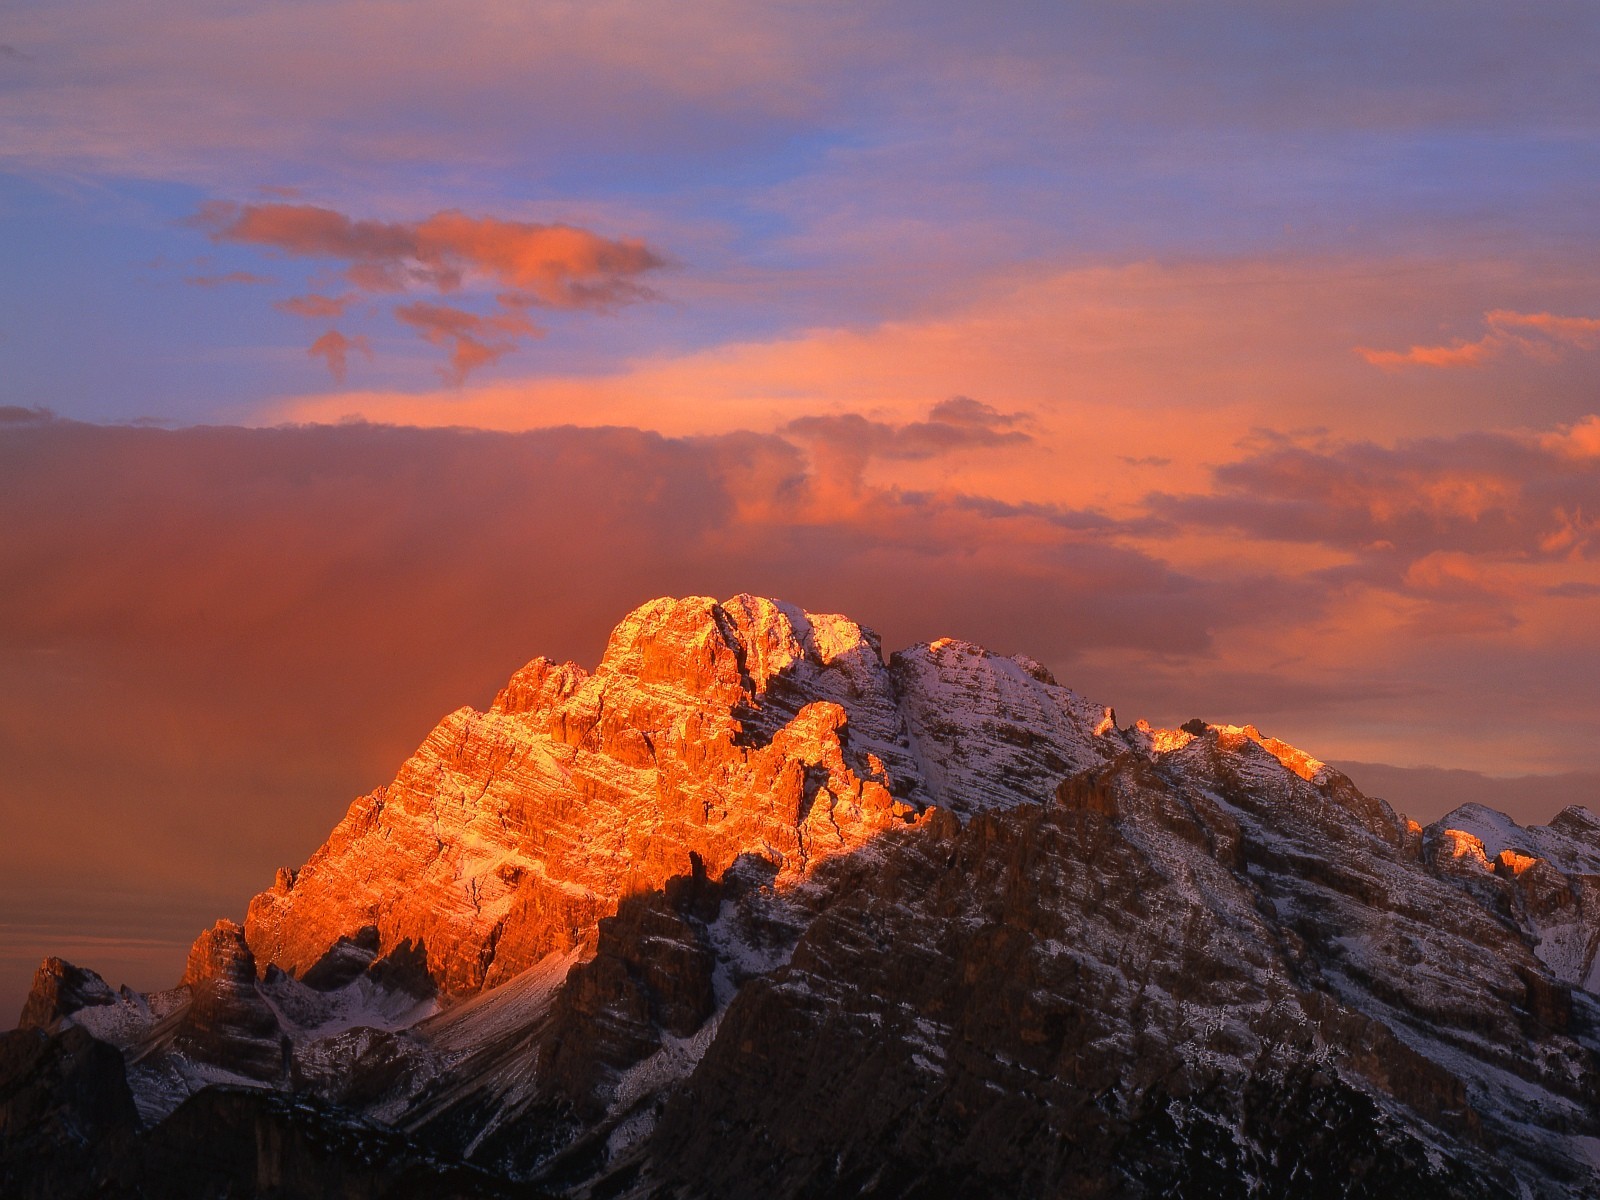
[748, 911]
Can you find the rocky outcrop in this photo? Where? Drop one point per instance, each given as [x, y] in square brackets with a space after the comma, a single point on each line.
[1545, 879]
[59, 990]
[66, 1113]
[228, 1022]
[220, 955]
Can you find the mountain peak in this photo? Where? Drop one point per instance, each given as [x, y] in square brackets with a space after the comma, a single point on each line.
[747, 875]
[743, 643]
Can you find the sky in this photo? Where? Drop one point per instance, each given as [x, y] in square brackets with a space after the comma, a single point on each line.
[1237, 360]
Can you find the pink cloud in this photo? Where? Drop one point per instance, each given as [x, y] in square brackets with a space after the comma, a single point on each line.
[556, 266]
[531, 265]
[335, 347]
[1538, 335]
[1491, 495]
[952, 426]
[288, 661]
[473, 340]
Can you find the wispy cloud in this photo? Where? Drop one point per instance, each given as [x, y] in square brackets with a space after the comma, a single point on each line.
[229, 277]
[1544, 336]
[555, 266]
[951, 427]
[473, 341]
[525, 264]
[316, 307]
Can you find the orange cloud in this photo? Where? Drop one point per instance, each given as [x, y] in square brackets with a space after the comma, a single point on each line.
[558, 266]
[335, 347]
[532, 266]
[1579, 440]
[1496, 496]
[1111, 363]
[288, 661]
[473, 341]
[1537, 335]
[843, 443]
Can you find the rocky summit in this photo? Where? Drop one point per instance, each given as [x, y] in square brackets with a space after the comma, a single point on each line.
[750, 911]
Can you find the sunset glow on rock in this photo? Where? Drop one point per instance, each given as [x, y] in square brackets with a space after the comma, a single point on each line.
[1235, 363]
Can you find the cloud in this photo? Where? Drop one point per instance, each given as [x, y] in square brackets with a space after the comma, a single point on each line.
[229, 277]
[325, 593]
[184, 89]
[1473, 540]
[848, 441]
[1542, 336]
[316, 307]
[1507, 495]
[528, 265]
[335, 348]
[1580, 440]
[1108, 363]
[473, 341]
[554, 266]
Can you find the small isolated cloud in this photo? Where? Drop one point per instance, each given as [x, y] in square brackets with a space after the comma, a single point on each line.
[316, 307]
[1543, 336]
[473, 340]
[229, 277]
[9, 52]
[335, 347]
[528, 265]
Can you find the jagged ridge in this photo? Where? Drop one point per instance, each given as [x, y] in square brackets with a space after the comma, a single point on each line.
[577, 928]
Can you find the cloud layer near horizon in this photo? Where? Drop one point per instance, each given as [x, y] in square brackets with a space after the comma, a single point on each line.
[262, 622]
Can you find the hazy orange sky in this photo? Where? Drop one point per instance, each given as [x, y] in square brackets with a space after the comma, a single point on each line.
[1236, 360]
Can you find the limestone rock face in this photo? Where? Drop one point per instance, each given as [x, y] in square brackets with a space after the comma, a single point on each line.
[749, 910]
[713, 729]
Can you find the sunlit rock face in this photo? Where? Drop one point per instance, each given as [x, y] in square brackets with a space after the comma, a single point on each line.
[749, 909]
[721, 729]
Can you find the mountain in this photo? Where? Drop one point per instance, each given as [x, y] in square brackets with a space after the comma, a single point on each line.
[750, 911]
